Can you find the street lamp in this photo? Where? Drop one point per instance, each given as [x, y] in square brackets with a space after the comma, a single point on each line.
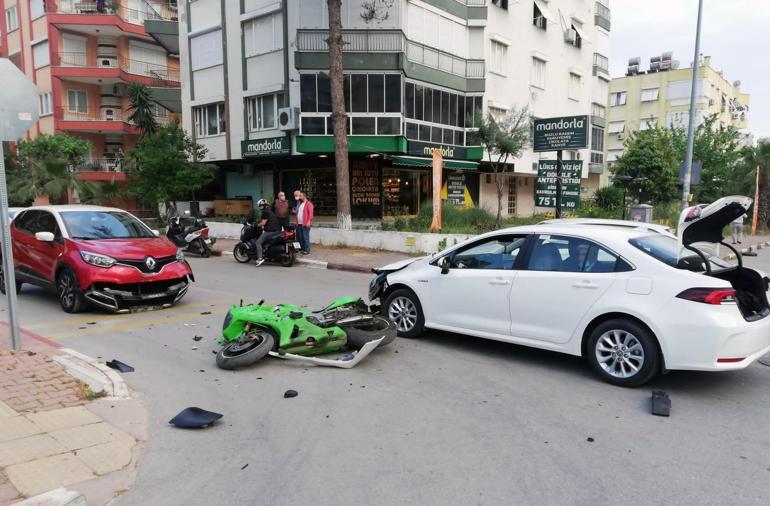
[624, 180]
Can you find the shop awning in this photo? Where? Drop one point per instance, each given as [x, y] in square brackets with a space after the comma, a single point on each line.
[421, 161]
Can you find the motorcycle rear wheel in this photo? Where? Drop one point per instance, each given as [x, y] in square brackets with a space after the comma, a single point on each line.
[288, 260]
[205, 250]
[231, 357]
[360, 333]
[241, 253]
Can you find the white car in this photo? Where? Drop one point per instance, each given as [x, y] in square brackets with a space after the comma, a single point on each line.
[652, 227]
[634, 303]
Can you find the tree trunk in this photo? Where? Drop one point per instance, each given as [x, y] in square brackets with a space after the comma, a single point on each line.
[499, 185]
[763, 211]
[338, 115]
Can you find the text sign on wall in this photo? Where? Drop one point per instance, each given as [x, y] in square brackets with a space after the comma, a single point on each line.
[545, 187]
[568, 132]
[455, 189]
[365, 186]
[273, 146]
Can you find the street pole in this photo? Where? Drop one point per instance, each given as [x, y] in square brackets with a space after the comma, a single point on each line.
[558, 184]
[691, 121]
[10, 275]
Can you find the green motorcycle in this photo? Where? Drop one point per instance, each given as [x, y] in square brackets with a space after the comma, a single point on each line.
[287, 331]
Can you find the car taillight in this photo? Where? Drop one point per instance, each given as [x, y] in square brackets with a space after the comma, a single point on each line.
[713, 296]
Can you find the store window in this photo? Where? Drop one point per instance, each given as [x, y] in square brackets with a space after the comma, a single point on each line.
[209, 120]
[319, 184]
[405, 191]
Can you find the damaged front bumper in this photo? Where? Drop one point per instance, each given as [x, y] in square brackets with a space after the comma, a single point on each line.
[125, 298]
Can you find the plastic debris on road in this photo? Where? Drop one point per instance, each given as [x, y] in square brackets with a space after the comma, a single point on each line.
[289, 394]
[120, 366]
[193, 418]
[661, 403]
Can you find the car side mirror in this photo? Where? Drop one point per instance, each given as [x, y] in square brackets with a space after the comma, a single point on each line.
[44, 236]
[156, 232]
[443, 262]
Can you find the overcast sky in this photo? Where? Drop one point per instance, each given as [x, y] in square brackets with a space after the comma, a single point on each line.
[735, 33]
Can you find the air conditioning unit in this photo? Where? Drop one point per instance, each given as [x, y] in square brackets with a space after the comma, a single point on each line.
[288, 118]
[620, 136]
[107, 61]
[111, 113]
[570, 36]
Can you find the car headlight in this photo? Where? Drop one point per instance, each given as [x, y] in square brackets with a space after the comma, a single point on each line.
[179, 255]
[97, 259]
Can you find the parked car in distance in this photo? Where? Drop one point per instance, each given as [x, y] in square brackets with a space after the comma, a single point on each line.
[98, 256]
[631, 301]
[652, 227]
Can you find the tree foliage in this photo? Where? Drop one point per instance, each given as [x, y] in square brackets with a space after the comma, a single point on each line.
[141, 108]
[651, 154]
[609, 198]
[757, 158]
[168, 166]
[503, 139]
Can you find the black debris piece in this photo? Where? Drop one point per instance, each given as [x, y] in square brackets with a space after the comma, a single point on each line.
[31, 353]
[244, 467]
[396, 351]
[590, 439]
[90, 323]
[214, 352]
[661, 403]
[193, 418]
[289, 394]
[203, 370]
[259, 377]
[207, 312]
[82, 328]
[197, 338]
[120, 366]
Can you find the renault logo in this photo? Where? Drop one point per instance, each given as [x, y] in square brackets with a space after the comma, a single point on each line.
[150, 263]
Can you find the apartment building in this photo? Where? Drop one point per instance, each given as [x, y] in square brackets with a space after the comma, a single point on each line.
[660, 96]
[256, 92]
[81, 55]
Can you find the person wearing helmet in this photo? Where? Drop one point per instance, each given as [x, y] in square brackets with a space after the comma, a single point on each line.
[271, 230]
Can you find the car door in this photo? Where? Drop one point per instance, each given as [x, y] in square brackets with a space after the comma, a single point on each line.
[22, 239]
[563, 279]
[45, 255]
[473, 293]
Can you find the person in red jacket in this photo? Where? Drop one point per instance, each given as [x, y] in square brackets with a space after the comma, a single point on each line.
[304, 222]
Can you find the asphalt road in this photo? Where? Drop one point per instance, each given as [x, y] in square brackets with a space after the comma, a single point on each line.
[444, 419]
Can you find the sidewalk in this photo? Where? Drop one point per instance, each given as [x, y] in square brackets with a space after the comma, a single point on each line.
[750, 244]
[56, 432]
[324, 257]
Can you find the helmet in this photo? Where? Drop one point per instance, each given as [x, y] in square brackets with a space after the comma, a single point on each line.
[262, 203]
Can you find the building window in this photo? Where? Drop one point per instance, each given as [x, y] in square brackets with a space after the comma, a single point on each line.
[574, 86]
[77, 101]
[263, 35]
[647, 123]
[12, 18]
[36, 8]
[538, 73]
[440, 116]
[573, 37]
[209, 120]
[616, 127]
[263, 111]
[617, 98]
[206, 50]
[650, 95]
[598, 110]
[41, 56]
[597, 145]
[511, 196]
[498, 62]
[45, 103]
[503, 4]
[601, 63]
[537, 17]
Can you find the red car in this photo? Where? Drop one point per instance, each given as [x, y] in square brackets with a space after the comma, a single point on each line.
[97, 255]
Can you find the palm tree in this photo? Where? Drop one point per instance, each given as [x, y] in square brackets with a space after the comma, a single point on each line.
[758, 158]
[141, 108]
[46, 179]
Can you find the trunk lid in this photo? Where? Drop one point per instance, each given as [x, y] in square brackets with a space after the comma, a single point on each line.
[703, 224]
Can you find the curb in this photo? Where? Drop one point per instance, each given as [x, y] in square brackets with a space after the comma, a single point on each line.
[320, 264]
[56, 497]
[750, 249]
[98, 377]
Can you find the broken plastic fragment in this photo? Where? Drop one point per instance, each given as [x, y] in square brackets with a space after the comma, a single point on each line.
[661, 403]
[197, 338]
[120, 366]
[290, 393]
[194, 418]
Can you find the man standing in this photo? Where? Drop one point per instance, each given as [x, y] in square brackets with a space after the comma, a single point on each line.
[738, 229]
[281, 210]
[304, 222]
[271, 230]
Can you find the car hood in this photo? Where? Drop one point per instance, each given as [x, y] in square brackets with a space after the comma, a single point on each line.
[397, 266]
[705, 223]
[129, 249]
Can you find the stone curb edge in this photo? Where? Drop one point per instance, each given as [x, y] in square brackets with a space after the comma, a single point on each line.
[56, 497]
[98, 377]
[320, 264]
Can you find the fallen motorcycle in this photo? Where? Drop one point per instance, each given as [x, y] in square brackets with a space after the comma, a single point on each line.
[291, 332]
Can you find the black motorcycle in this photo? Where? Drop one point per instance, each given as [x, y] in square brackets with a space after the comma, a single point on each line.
[282, 250]
[193, 239]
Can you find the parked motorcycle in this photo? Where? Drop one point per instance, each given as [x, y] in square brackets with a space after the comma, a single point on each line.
[193, 239]
[282, 250]
[291, 332]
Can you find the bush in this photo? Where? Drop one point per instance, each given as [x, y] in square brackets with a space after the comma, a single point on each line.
[609, 198]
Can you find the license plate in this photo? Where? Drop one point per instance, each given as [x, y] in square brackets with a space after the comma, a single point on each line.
[296, 245]
[208, 241]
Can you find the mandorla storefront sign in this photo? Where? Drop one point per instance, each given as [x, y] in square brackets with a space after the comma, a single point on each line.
[272, 146]
[426, 149]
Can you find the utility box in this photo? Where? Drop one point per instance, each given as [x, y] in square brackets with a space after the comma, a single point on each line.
[641, 212]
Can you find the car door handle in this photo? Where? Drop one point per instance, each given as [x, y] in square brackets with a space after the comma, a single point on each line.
[586, 284]
[499, 282]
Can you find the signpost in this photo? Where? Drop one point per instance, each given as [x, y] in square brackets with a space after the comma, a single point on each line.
[547, 182]
[557, 134]
[18, 113]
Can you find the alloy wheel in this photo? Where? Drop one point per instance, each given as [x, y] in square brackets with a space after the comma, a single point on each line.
[619, 353]
[66, 290]
[403, 313]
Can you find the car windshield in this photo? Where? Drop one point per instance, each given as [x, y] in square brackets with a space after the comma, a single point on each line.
[90, 225]
[664, 248]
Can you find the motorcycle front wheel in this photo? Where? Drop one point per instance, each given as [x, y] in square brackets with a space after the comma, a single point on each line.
[362, 332]
[205, 250]
[288, 259]
[235, 355]
[241, 253]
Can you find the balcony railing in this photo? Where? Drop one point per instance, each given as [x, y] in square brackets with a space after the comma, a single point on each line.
[118, 116]
[601, 64]
[392, 41]
[149, 10]
[602, 15]
[103, 165]
[161, 74]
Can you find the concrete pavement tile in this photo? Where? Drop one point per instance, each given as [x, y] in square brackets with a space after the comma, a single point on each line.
[8, 493]
[38, 476]
[29, 448]
[75, 438]
[56, 419]
[17, 428]
[6, 411]
[108, 457]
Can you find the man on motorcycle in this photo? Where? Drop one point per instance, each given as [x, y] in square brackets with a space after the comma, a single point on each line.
[271, 230]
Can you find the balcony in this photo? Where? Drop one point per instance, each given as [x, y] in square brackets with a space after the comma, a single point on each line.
[601, 65]
[78, 66]
[148, 10]
[393, 41]
[93, 121]
[602, 16]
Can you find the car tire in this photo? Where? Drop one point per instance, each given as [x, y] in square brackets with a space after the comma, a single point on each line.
[67, 289]
[229, 359]
[361, 333]
[403, 308]
[623, 352]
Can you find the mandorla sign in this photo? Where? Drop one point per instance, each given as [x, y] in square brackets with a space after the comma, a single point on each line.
[273, 146]
[553, 134]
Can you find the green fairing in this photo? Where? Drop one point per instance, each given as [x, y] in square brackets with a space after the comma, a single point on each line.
[293, 335]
